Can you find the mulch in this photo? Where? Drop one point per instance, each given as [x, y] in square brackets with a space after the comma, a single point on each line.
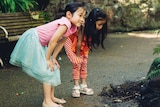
[132, 90]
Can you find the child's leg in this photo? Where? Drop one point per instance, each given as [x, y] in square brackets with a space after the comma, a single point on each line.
[76, 82]
[83, 81]
[47, 96]
[47, 93]
[83, 74]
[76, 77]
[56, 100]
[76, 73]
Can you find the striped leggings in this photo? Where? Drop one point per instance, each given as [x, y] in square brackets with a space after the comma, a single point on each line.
[79, 71]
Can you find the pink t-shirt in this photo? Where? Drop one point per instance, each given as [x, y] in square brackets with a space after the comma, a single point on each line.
[46, 31]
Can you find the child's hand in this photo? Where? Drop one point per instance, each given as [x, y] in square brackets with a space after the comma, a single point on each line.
[55, 62]
[50, 65]
[78, 60]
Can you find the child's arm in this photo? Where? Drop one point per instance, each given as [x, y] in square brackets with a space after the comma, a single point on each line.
[71, 55]
[58, 48]
[52, 44]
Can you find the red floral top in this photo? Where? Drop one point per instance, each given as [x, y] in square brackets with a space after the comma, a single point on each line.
[70, 47]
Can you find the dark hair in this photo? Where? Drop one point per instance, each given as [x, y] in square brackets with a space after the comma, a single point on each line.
[72, 7]
[97, 37]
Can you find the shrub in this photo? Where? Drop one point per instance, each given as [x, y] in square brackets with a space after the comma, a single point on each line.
[8, 6]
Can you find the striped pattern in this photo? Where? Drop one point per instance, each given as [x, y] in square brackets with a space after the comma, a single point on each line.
[79, 64]
[71, 55]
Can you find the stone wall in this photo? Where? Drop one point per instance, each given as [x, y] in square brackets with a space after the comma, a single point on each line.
[124, 15]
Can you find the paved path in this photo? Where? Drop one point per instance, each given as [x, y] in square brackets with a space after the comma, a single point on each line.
[126, 57]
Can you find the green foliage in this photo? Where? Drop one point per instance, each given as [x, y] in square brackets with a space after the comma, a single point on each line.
[46, 16]
[154, 69]
[156, 50]
[153, 74]
[26, 4]
[8, 6]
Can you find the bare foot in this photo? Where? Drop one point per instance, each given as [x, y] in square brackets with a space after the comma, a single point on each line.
[59, 101]
[51, 104]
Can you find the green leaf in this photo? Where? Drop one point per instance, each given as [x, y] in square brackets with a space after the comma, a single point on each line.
[156, 50]
[17, 5]
[153, 74]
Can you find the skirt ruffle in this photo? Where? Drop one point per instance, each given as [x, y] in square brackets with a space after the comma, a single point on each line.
[29, 54]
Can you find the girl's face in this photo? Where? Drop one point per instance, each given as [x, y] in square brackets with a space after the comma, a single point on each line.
[99, 24]
[78, 17]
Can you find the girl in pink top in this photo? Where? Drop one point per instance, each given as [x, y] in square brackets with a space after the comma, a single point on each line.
[37, 49]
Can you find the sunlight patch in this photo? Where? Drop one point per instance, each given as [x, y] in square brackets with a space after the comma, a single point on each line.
[145, 35]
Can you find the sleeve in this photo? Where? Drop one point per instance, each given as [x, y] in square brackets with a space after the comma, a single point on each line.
[68, 48]
[65, 21]
[70, 29]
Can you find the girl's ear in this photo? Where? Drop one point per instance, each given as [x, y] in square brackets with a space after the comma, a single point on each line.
[68, 14]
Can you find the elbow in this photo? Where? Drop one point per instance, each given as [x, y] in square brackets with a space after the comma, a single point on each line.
[52, 42]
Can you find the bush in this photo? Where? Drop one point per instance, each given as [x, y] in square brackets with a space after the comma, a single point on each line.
[7, 6]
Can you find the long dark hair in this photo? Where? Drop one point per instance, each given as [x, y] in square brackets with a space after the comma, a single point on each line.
[72, 7]
[97, 36]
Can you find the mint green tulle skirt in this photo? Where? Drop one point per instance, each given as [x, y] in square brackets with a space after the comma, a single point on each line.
[29, 54]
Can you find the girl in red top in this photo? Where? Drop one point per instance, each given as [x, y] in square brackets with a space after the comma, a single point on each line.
[78, 45]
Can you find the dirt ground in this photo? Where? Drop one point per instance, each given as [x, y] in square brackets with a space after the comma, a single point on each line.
[127, 56]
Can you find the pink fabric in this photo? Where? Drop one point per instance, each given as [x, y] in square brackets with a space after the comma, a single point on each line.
[46, 31]
[80, 70]
[68, 48]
